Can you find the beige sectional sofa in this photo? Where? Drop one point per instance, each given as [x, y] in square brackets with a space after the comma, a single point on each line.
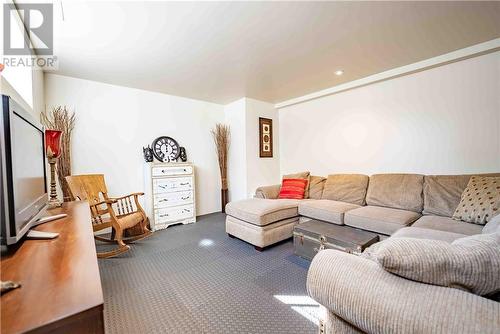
[359, 295]
[382, 203]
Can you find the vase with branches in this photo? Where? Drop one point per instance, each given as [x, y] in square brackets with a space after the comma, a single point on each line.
[221, 135]
[60, 118]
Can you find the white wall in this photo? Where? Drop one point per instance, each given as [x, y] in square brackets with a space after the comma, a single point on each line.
[246, 170]
[261, 171]
[443, 120]
[113, 123]
[36, 86]
[235, 117]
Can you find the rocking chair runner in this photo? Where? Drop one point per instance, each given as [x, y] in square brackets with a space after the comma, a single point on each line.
[129, 214]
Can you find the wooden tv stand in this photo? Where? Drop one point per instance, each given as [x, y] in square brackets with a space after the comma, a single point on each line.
[61, 287]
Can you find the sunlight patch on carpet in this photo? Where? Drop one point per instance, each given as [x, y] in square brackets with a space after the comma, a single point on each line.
[303, 305]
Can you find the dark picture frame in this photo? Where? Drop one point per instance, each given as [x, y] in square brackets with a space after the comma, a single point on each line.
[265, 137]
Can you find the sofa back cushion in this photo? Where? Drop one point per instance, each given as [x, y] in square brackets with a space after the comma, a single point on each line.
[470, 263]
[350, 188]
[442, 193]
[398, 191]
[316, 185]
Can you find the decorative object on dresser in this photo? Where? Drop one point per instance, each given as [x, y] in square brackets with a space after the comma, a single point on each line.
[221, 134]
[119, 213]
[60, 118]
[170, 194]
[265, 137]
[148, 153]
[53, 151]
[166, 149]
[183, 154]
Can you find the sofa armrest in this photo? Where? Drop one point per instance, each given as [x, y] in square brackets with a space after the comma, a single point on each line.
[362, 293]
[271, 192]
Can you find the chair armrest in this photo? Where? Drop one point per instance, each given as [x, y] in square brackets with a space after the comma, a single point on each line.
[106, 201]
[129, 195]
[362, 293]
[271, 192]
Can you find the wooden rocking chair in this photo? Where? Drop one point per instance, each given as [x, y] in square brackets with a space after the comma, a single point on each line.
[129, 214]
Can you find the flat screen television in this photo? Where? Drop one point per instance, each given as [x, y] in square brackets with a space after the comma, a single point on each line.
[23, 185]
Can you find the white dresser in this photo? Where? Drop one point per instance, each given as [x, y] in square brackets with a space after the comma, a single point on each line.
[170, 193]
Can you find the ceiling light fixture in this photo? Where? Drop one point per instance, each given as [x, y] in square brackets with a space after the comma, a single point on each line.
[339, 72]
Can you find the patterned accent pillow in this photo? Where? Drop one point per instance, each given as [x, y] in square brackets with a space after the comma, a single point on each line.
[293, 188]
[301, 175]
[480, 200]
[470, 263]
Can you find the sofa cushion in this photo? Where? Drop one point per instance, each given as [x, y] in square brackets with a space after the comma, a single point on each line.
[448, 225]
[492, 226]
[350, 188]
[379, 219]
[326, 210]
[425, 233]
[261, 211]
[471, 263]
[442, 193]
[316, 185]
[398, 191]
[480, 200]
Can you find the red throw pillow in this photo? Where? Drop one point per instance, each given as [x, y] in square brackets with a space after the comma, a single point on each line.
[293, 188]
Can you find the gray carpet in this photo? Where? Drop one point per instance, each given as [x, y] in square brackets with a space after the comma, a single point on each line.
[195, 279]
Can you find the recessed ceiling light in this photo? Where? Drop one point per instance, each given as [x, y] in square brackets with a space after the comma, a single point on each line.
[339, 72]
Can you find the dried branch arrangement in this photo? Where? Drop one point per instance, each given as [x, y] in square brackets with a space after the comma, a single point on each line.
[60, 118]
[221, 135]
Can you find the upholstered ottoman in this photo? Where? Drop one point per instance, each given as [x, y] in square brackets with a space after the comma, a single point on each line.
[262, 222]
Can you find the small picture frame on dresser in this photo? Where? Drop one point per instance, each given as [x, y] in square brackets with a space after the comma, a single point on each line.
[265, 137]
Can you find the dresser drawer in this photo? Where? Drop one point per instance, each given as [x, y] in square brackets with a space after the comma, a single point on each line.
[164, 200]
[172, 184]
[166, 215]
[171, 170]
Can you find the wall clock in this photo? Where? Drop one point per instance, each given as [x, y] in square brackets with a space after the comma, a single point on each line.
[166, 149]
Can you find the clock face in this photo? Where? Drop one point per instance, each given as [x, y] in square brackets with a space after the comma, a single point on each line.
[166, 149]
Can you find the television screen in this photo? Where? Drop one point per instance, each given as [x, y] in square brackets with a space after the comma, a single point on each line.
[27, 166]
[23, 189]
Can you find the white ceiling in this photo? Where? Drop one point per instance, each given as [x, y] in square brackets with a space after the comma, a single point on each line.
[272, 51]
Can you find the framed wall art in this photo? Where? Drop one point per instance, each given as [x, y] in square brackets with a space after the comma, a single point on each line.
[265, 137]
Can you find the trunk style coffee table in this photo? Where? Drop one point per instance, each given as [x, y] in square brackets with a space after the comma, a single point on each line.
[314, 235]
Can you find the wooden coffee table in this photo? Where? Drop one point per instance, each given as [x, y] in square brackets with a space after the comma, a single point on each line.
[314, 235]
